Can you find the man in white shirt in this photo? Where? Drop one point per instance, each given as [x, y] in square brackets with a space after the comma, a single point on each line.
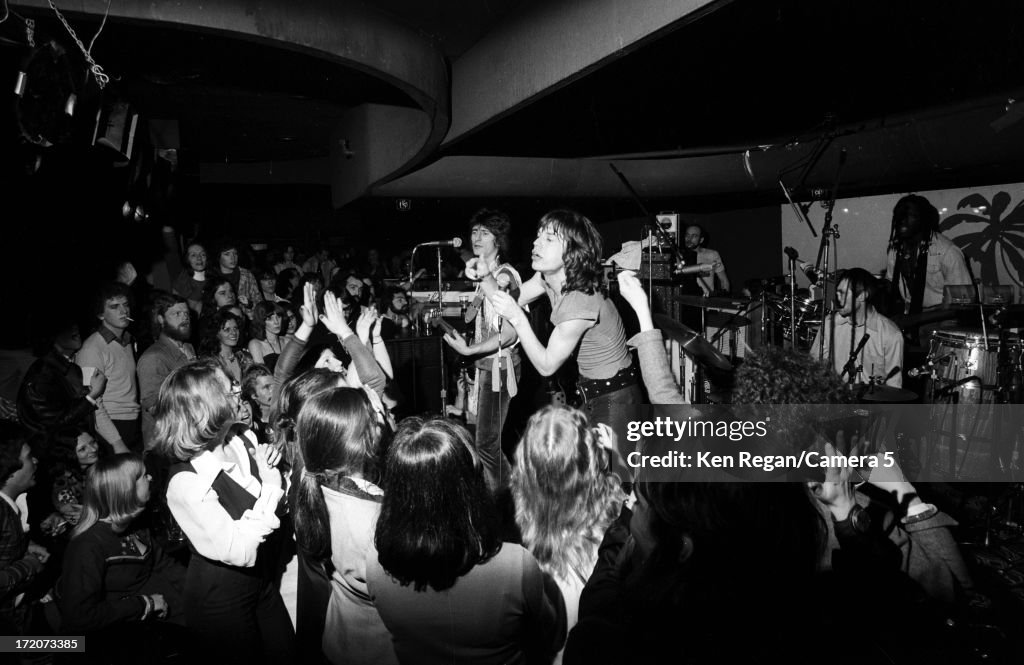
[854, 318]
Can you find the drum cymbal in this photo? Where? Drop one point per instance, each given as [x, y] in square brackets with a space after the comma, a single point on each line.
[716, 319]
[884, 394]
[713, 302]
[693, 344]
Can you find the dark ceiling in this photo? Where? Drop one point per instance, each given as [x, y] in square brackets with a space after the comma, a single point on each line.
[756, 71]
[747, 72]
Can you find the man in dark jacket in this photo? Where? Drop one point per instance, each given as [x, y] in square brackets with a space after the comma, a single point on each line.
[52, 394]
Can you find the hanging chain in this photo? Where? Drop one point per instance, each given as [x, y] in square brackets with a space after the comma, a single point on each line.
[97, 71]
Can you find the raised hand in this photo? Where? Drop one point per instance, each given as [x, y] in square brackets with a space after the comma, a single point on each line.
[367, 318]
[334, 316]
[309, 311]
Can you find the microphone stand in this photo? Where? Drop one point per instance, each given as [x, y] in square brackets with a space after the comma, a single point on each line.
[851, 365]
[440, 342]
[792, 303]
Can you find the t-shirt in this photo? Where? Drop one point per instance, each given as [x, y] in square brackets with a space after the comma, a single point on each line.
[602, 351]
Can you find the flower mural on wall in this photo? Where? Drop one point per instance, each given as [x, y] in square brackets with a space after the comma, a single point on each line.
[1000, 239]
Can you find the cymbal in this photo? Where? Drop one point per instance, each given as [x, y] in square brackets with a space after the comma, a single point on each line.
[713, 302]
[693, 344]
[884, 394]
[716, 319]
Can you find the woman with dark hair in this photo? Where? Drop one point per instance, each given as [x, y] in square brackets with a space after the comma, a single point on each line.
[445, 585]
[191, 282]
[224, 493]
[287, 285]
[221, 339]
[336, 510]
[70, 453]
[266, 330]
[118, 587]
[565, 497]
[218, 293]
[267, 280]
[307, 577]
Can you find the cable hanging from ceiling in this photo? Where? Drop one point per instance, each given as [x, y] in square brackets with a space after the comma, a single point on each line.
[102, 78]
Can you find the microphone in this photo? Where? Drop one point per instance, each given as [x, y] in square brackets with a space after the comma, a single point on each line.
[454, 242]
[893, 372]
[851, 364]
[929, 365]
[792, 253]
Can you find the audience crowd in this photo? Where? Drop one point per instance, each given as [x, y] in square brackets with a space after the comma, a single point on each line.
[223, 479]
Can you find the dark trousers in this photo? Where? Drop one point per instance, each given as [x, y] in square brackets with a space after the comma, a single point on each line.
[313, 596]
[614, 409]
[491, 412]
[236, 615]
[131, 433]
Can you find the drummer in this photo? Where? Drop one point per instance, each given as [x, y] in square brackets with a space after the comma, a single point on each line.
[855, 315]
[694, 240]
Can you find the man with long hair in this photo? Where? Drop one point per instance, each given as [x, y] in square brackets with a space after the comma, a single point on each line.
[494, 345]
[921, 260]
[567, 255]
[855, 317]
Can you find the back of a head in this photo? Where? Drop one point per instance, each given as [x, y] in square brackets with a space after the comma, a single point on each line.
[111, 493]
[192, 407]
[564, 494]
[438, 519]
[338, 434]
[293, 396]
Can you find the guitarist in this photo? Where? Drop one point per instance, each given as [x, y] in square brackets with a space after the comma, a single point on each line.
[498, 370]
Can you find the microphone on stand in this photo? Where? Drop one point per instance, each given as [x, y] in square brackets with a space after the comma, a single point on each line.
[851, 364]
[951, 388]
[454, 242]
[792, 253]
[893, 372]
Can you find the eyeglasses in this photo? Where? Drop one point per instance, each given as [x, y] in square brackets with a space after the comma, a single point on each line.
[236, 390]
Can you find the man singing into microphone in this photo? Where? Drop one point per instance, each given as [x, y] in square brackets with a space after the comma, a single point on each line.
[882, 355]
[567, 257]
[497, 370]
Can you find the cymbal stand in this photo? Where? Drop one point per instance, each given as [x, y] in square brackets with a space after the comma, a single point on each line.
[828, 232]
[792, 303]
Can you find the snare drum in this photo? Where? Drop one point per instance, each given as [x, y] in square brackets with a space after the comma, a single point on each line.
[963, 416]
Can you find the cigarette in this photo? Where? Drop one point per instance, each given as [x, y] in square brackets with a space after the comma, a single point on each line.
[130, 319]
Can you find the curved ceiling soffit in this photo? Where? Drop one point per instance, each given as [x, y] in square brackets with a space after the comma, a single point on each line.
[344, 33]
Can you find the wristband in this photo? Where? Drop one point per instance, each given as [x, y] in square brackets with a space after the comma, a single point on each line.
[91, 400]
[920, 513]
[149, 607]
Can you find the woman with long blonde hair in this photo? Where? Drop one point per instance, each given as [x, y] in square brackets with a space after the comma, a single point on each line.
[118, 587]
[566, 496]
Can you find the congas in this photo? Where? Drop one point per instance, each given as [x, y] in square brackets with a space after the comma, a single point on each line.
[966, 428]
